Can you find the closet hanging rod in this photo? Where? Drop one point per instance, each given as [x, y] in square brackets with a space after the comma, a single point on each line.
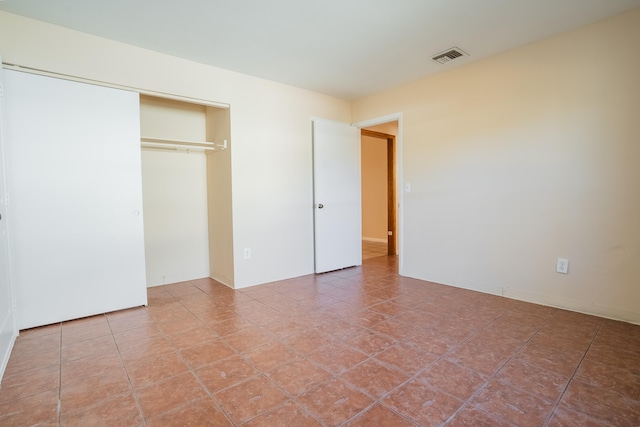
[187, 145]
[175, 147]
[184, 142]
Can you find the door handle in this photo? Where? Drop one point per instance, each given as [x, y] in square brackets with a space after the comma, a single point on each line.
[320, 206]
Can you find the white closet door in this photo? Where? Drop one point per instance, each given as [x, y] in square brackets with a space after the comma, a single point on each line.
[8, 330]
[75, 191]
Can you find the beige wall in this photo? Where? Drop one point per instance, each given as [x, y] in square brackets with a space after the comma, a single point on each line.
[525, 157]
[374, 189]
[270, 160]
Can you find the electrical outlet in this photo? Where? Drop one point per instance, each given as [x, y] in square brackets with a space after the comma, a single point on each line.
[562, 266]
[247, 253]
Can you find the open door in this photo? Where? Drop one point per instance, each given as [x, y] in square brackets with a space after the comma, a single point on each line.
[8, 330]
[336, 195]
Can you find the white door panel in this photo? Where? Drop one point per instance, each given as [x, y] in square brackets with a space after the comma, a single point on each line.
[337, 195]
[74, 175]
[8, 330]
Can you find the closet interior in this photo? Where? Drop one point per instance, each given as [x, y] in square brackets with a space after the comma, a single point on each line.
[186, 189]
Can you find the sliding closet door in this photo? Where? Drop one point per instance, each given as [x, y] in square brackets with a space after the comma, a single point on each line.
[75, 198]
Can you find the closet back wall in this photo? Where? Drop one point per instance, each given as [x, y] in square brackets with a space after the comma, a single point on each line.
[174, 189]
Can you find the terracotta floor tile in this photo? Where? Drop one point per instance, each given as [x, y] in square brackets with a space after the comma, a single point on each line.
[308, 341]
[423, 404]
[620, 380]
[124, 320]
[396, 329]
[201, 413]
[91, 391]
[249, 399]
[601, 404]
[335, 402]
[370, 342]
[75, 331]
[380, 416]
[374, 379]
[205, 353]
[213, 315]
[485, 358]
[89, 348]
[38, 409]
[186, 322]
[270, 356]
[289, 414]
[18, 386]
[570, 343]
[454, 379]
[145, 349]
[339, 329]
[24, 362]
[225, 373]
[188, 337]
[247, 339]
[406, 358]
[367, 318]
[535, 380]
[565, 417]
[230, 326]
[512, 404]
[473, 417]
[170, 394]
[120, 410]
[137, 336]
[41, 331]
[550, 358]
[337, 358]
[37, 343]
[613, 356]
[431, 341]
[151, 370]
[81, 369]
[298, 376]
[285, 327]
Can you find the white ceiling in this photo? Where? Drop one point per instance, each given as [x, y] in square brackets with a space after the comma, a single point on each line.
[345, 48]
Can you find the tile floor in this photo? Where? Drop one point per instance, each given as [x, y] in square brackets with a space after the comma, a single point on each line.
[357, 347]
[373, 249]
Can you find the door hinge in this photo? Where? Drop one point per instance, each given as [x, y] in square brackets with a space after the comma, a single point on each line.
[1, 89]
[14, 307]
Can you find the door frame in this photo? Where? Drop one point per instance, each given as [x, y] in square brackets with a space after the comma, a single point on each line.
[391, 186]
[394, 117]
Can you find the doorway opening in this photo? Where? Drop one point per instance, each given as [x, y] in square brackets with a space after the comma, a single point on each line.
[379, 201]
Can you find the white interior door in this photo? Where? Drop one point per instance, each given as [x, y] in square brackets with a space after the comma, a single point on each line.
[75, 198]
[8, 330]
[337, 195]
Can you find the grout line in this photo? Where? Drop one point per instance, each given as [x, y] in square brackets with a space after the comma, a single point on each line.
[133, 390]
[59, 378]
[495, 373]
[566, 387]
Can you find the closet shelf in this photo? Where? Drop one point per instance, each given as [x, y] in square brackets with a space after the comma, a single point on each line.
[175, 144]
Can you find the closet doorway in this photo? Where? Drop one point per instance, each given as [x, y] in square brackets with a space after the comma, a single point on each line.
[186, 191]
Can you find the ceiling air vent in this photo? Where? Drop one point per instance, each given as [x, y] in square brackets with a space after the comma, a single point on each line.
[449, 55]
